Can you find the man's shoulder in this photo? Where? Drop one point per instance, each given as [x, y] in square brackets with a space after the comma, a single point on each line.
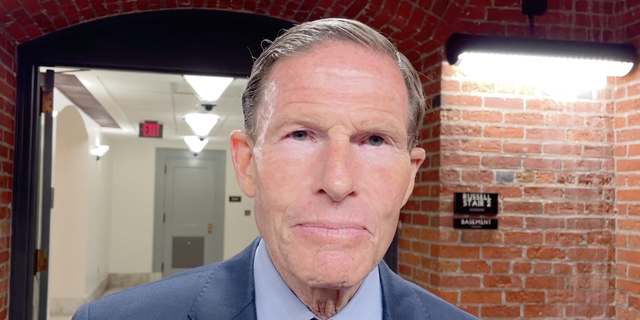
[169, 298]
[420, 302]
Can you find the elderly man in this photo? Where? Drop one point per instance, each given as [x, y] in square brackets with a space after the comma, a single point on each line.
[332, 116]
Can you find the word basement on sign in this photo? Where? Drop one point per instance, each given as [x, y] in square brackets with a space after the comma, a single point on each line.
[472, 210]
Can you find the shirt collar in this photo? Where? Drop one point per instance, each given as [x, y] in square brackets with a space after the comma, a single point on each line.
[275, 301]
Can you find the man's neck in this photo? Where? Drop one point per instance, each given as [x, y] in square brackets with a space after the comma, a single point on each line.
[323, 302]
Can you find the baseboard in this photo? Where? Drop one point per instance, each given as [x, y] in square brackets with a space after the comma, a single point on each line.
[64, 307]
[155, 276]
[98, 291]
[127, 280]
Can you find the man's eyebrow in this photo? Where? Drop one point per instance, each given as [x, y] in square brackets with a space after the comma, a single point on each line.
[384, 127]
[296, 120]
[381, 126]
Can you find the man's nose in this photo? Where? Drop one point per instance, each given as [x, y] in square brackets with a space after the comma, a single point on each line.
[337, 170]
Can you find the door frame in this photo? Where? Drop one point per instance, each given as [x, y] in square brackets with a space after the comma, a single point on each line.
[126, 42]
[162, 155]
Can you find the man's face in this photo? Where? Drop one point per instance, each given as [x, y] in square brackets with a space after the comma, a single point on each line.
[329, 168]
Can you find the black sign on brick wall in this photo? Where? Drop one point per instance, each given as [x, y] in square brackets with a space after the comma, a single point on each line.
[475, 203]
[474, 210]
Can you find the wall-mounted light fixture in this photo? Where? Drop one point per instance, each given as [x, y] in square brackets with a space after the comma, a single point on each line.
[556, 64]
[100, 151]
[548, 56]
[201, 123]
[195, 144]
[208, 89]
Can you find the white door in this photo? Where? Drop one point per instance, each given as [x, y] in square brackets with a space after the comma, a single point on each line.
[189, 202]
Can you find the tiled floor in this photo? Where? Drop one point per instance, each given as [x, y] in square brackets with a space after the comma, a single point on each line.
[108, 292]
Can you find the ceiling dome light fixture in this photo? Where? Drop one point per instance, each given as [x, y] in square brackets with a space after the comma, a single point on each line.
[530, 58]
[208, 88]
[201, 123]
[195, 144]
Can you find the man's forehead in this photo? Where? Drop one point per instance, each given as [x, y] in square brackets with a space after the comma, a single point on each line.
[338, 74]
[348, 58]
[340, 67]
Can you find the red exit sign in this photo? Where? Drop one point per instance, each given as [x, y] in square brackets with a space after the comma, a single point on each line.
[150, 129]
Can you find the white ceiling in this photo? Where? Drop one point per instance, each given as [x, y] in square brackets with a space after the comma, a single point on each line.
[133, 97]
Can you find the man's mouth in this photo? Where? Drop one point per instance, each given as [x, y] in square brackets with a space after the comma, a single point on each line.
[332, 230]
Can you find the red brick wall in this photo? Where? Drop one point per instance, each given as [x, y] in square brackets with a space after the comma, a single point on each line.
[583, 20]
[551, 162]
[627, 156]
[554, 256]
[7, 102]
[419, 28]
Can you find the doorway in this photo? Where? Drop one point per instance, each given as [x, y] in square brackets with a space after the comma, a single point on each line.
[189, 209]
[203, 42]
[103, 231]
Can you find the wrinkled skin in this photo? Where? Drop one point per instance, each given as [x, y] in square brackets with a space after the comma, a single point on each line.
[329, 169]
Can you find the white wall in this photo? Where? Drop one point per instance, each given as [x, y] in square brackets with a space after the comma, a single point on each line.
[133, 205]
[68, 218]
[98, 213]
[80, 224]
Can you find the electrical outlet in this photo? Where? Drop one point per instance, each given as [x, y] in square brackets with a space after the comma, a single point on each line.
[247, 212]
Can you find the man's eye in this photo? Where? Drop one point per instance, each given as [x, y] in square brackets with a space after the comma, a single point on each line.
[299, 135]
[376, 140]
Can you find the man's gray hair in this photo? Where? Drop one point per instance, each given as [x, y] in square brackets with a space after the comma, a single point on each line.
[308, 35]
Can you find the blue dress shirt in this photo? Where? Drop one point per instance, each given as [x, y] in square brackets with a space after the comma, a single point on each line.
[275, 301]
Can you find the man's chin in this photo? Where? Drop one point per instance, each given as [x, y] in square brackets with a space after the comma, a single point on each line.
[333, 282]
[339, 270]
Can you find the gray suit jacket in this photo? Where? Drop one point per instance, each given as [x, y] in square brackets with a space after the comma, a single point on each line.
[225, 291]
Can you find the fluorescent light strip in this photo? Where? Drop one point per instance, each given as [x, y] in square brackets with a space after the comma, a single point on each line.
[559, 76]
[539, 64]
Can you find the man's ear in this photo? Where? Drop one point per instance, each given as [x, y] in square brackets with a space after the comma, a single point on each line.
[243, 163]
[417, 157]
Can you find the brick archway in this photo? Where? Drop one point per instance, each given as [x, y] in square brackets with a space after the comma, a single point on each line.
[411, 26]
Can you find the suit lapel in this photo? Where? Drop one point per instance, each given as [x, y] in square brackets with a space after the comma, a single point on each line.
[399, 300]
[229, 293]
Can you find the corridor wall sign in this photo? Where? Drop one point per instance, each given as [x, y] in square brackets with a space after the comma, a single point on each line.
[150, 129]
[473, 210]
